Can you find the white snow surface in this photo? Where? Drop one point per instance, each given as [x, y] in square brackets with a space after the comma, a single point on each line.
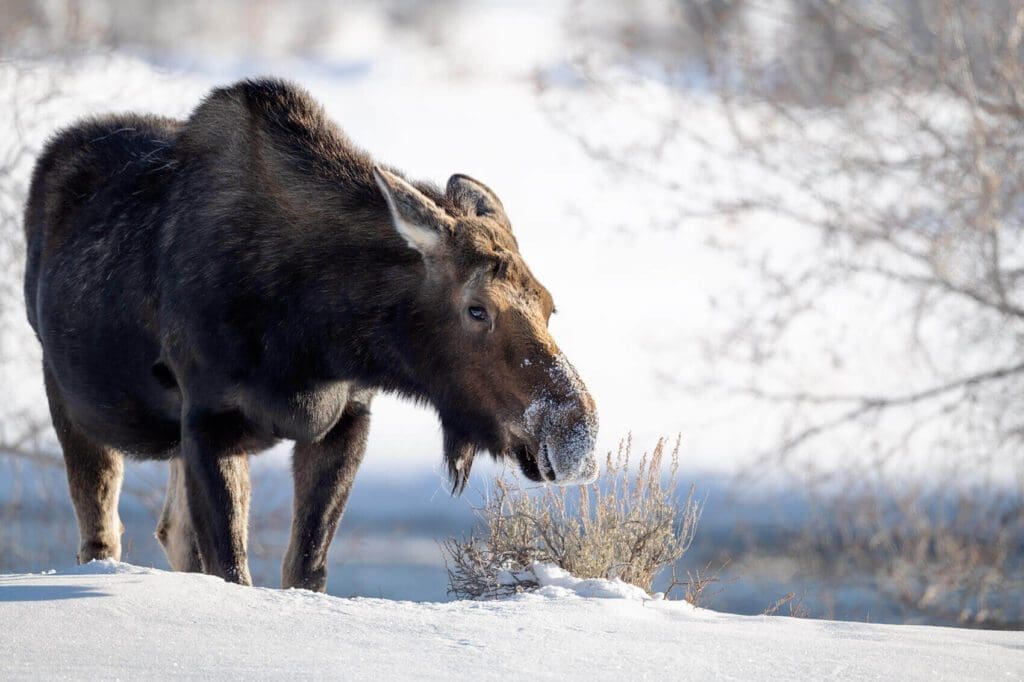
[557, 582]
[113, 620]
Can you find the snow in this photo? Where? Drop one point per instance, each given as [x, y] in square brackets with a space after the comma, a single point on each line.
[636, 304]
[107, 620]
[556, 582]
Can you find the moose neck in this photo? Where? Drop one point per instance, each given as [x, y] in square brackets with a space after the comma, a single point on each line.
[366, 303]
[362, 280]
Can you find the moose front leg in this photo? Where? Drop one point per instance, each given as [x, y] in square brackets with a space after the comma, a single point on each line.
[323, 474]
[217, 490]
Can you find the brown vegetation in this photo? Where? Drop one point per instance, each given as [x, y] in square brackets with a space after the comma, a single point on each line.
[630, 524]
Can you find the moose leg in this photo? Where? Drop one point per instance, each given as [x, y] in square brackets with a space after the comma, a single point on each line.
[175, 531]
[217, 492]
[323, 474]
[94, 478]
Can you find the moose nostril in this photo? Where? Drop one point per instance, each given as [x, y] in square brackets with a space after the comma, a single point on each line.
[544, 463]
[162, 373]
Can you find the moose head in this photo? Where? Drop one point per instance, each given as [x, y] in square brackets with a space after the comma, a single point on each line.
[482, 348]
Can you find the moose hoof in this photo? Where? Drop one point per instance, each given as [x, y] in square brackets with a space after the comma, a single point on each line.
[313, 580]
[97, 550]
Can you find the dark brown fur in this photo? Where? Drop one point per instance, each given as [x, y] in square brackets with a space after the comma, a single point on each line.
[205, 288]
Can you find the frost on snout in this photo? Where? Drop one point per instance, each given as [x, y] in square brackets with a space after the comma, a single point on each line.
[564, 421]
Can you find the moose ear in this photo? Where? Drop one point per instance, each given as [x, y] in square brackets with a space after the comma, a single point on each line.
[420, 221]
[474, 197]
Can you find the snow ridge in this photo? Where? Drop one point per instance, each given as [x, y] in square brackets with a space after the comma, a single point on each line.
[107, 620]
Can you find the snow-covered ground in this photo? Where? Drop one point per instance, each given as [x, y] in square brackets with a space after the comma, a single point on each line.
[635, 304]
[109, 620]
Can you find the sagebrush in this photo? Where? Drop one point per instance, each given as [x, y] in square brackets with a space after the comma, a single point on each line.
[629, 524]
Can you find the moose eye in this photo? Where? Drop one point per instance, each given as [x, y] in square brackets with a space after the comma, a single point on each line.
[478, 313]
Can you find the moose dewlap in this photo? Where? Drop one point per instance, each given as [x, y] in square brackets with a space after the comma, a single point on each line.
[206, 287]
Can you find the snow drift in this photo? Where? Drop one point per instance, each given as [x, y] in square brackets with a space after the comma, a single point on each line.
[108, 619]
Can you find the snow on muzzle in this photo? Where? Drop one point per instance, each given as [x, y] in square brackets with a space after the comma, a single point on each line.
[563, 419]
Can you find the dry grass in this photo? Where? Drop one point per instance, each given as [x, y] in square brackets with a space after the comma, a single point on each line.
[796, 606]
[697, 587]
[629, 524]
[945, 556]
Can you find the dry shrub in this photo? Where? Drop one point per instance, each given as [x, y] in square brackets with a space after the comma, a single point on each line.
[696, 587]
[629, 524]
[796, 606]
[950, 557]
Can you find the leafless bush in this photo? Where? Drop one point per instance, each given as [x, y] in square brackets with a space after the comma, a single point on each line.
[695, 587]
[952, 557]
[792, 601]
[865, 158]
[629, 524]
[25, 434]
[890, 134]
[194, 29]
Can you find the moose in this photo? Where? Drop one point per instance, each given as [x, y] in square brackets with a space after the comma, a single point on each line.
[204, 288]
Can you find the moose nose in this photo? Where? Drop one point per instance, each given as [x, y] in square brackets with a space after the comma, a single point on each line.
[569, 448]
[564, 420]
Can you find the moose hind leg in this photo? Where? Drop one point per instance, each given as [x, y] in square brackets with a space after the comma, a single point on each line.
[323, 474]
[217, 490]
[175, 531]
[95, 473]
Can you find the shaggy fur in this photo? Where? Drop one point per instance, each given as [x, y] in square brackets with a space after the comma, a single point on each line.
[204, 288]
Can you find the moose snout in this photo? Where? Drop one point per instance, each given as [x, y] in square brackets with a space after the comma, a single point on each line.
[568, 448]
[564, 423]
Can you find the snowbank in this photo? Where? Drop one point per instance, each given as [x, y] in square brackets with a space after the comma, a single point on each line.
[115, 620]
[556, 582]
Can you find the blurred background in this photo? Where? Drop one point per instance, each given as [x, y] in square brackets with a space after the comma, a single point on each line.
[788, 231]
